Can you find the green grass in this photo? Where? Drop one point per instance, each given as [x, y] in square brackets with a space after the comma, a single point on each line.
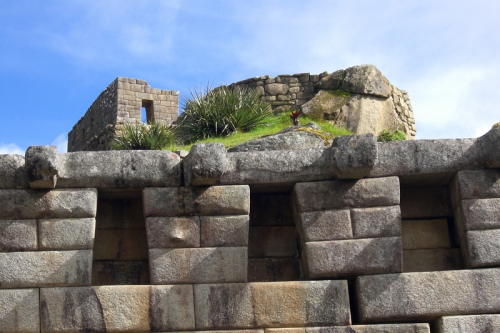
[272, 125]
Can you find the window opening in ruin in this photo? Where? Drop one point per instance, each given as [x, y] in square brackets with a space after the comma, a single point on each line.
[147, 111]
[273, 253]
[120, 255]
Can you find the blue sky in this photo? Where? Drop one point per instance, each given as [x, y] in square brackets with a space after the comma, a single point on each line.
[57, 56]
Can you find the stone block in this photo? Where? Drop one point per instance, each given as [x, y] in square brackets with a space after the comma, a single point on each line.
[31, 204]
[271, 304]
[12, 173]
[366, 79]
[120, 244]
[114, 272]
[475, 323]
[224, 231]
[272, 242]
[429, 260]
[18, 235]
[120, 169]
[198, 265]
[45, 269]
[273, 269]
[425, 202]
[325, 225]
[479, 214]
[170, 232]
[395, 158]
[204, 201]
[276, 89]
[483, 248]
[332, 81]
[66, 234]
[117, 309]
[353, 156]
[381, 328]
[427, 296]
[19, 311]
[328, 195]
[476, 184]
[343, 258]
[120, 213]
[270, 209]
[42, 166]
[425, 234]
[205, 164]
[489, 144]
[285, 330]
[376, 222]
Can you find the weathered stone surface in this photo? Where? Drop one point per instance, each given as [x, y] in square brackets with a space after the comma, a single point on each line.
[45, 269]
[12, 174]
[205, 201]
[120, 272]
[19, 311]
[119, 169]
[42, 166]
[271, 304]
[328, 195]
[343, 258]
[376, 222]
[117, 309]
[273, 269]
[489, 144]
[475, 184]
[427, 296]
[428, 260]
[366, 79]
[353, 157]
[279, 168]
[224, 231]
[425, 234]
[31, 204]
[276, 89]
[170, 232]
[478, 214]
[66, 234]
[120, 244]
[270, 209]
[332, 81]
[462, 324]
[483, 247]
[122, 213]
[18, 235]
[205, 164]
[198, 265]
[285, 330]
[384, 328]
[425, 202]
[325, 225]
[326, 104]
[272, 242]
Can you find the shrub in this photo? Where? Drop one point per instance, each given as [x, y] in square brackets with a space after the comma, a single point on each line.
[139, 136]
[221, 112]
[387, 135]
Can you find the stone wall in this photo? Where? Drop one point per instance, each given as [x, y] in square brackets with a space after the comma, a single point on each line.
[121, 102]
[357, 237]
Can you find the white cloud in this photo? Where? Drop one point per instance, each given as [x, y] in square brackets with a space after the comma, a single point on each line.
[61, 142]
[11, 148]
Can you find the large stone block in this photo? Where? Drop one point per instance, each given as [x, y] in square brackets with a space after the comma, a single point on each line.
[12, 173]
[476, 184]
[425, 202]
[19, 311]
[120, 244]
[489, 144]
[343, 258]
[425, 234]
[45, 269]
[479, 214]
[353, 156]
[31, 204]
[483, 248]
[66, 234]
[205, 164]
[272, 304]
[42, 166]
[328, 195]
[383, 328]
[170, 232]
[273, 269]
[119, 169]
[366, 79]
[188, 201]
[376, 222]
[272, 242]
[427, 296]
[224, 231]
[462, 324]
[325, 225]
[198, 265]
[18, 235]
[429, 260]
[117, 309]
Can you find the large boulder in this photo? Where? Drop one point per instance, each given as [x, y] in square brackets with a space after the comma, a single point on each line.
[366, 79]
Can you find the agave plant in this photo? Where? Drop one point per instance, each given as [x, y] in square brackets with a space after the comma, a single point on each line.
[140, 136]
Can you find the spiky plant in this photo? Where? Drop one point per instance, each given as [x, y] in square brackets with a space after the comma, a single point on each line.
[140, 136]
